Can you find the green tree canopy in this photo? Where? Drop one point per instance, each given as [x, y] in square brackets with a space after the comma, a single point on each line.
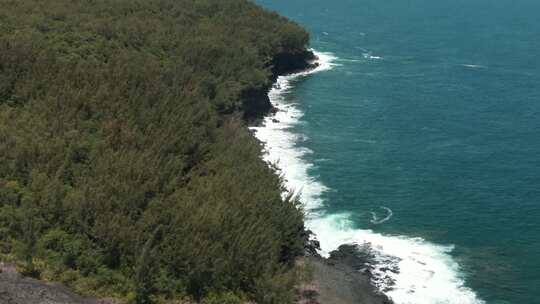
[125, 166]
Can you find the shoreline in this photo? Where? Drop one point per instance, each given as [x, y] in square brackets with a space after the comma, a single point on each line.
[407, 269]
[18, 289]
[339, 279]
[256, 103]
[344, 277]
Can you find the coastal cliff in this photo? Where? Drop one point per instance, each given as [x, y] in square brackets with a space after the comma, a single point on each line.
[255, 101]
[18, 289]
[126, 169]
[343, 278]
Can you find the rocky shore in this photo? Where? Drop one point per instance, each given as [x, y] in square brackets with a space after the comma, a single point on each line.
[342, 278]
[255, 101]
[16, 289]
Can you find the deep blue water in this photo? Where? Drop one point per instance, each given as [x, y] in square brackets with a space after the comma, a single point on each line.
[443, 128]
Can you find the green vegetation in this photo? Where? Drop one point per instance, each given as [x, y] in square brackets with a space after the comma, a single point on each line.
[126, 169]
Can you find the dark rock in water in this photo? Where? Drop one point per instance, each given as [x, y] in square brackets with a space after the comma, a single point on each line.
[275, 120]
[355, 256]
[387, 289]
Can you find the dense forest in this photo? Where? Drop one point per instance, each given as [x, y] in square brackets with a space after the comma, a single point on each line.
[126, 169]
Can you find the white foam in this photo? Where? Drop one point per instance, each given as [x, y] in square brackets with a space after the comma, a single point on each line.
[368, 55]
[375, 219]
[474, 66]
[427, 273]
[350, 60]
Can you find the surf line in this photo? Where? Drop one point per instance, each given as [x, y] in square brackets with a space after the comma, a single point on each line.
[421, 272]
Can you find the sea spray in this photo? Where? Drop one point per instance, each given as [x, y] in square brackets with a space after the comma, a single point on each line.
[409, 270]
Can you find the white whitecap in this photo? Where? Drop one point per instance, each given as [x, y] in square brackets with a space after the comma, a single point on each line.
[369, 55]
[350, 60]
[474, 66]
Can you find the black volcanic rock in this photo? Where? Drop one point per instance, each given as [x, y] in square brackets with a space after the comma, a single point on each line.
[354, 265]
[292, 62]
[255, 101]
[311, 244]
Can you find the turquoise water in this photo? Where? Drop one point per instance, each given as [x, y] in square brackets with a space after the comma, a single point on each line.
[431, 110]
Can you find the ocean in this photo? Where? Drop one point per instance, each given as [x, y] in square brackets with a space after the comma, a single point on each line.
[419, 134]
